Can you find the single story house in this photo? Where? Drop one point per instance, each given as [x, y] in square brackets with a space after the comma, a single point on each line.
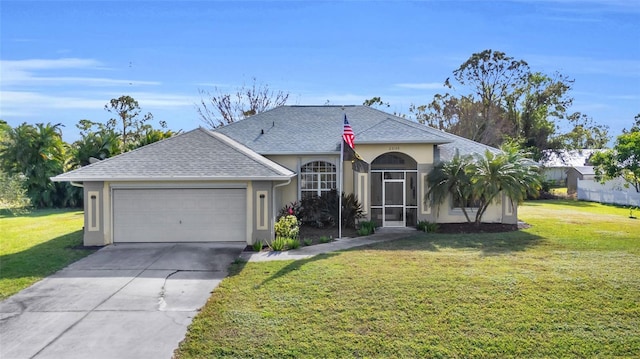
[578, 173]
[557, 163]
[228, 184]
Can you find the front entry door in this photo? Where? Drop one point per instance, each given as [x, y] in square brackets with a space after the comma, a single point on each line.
[393, 205]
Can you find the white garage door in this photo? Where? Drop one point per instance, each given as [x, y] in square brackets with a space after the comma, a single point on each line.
[179, 215]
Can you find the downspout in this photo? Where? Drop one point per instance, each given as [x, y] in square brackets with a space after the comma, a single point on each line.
[76, 184]
[273, 201]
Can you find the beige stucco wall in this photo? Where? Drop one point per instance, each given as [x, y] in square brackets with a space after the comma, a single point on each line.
[103, 236]
[501, 211]
[421, 153]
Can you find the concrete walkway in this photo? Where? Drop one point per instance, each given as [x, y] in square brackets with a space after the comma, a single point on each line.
[124, 301]
[381, 235]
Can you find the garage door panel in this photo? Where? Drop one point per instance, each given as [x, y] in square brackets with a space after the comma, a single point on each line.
[179, 215]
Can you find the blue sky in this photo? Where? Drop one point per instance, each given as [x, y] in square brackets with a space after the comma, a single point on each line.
[63, 61]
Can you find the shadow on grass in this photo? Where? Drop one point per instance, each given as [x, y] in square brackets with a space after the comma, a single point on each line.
[45, 258]
[297, 264]
[489, 244]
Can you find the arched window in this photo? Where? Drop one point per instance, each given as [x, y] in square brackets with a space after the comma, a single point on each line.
[316, 178]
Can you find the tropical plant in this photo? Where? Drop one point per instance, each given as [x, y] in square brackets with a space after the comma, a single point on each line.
[450, 178]
[38, 153]
[508, 172]
[351, 210]
[482, 179]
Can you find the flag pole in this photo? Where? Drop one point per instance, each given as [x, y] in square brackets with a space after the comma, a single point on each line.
[341, 178]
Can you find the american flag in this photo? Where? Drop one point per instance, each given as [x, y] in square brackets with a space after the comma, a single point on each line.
[347, 133]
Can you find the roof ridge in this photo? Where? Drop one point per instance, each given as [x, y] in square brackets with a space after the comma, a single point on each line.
[249, 152]
[108, 159]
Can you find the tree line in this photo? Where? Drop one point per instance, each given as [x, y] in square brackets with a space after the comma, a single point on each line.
[32, 153]
[492, 98]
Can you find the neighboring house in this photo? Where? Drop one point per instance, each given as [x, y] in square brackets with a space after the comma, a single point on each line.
[228, 184]
[557, 163]
[578, 173]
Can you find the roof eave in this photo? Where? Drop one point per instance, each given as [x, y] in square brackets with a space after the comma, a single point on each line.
[174, 178]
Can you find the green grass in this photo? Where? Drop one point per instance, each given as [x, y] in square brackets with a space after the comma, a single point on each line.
[566, 287]
[37, 244]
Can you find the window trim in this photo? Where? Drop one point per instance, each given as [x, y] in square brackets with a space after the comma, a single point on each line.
[317, 176]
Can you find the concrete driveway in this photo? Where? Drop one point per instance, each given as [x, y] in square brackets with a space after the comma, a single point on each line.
[124, 301]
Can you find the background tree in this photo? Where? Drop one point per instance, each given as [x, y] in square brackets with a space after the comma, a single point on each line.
[128, 124]
[38, 153]
[375, 102]
[13, 191]
[121, 134]
[219, 109]
[503, 100]
[623, 160]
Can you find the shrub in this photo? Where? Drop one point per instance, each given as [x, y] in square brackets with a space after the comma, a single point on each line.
[325, 239]
[426, 226]
[257, 245]
[293, 243]
[320, 211]
[278, 244]
[367, 228]
[351, 210]
[293, 208]
[287, 227]
[307, 241]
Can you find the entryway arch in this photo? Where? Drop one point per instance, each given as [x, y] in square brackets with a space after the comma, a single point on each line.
[394, 190]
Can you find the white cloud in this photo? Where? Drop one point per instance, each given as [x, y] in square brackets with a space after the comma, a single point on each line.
[49, 64]
[24, 73]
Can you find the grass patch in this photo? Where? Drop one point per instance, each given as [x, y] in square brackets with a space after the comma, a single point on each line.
[37, 244]
[563, 288]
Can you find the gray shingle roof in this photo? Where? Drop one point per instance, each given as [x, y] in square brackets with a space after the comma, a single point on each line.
[318, 129]
[463, 145]
[194, 155]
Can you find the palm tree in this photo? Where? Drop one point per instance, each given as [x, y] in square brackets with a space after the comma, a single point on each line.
[451, 178]
[508, 172]
[38, 153]
[482, 179]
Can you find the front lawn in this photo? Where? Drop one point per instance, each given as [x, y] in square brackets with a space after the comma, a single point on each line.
[566, 287]
[37, 244]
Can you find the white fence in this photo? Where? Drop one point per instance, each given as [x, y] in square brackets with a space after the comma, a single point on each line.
[610, 192]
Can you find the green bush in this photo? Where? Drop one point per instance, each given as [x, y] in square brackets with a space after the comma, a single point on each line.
[325, 239]
[367, 228]
[257, 245]
[307, 242]
[287, 227]
[351, 211]
[293, 243]
[426, 226]
[278, 244]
